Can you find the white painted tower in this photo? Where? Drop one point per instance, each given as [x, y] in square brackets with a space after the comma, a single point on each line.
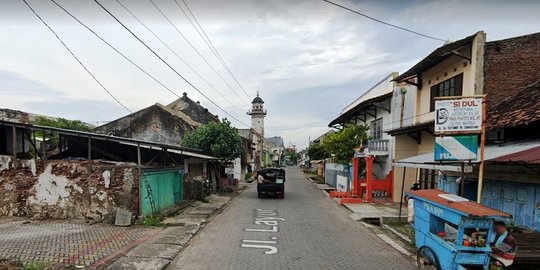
[257, 113]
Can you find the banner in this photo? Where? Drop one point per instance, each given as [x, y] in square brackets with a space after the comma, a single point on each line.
[456, 148]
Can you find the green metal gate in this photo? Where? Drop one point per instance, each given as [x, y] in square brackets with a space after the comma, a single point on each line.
[159, 189]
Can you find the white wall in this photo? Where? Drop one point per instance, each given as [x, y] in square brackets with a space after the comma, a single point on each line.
[409, 108]
[385, 86]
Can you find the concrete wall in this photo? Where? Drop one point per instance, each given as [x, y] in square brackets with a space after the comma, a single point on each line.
[67, 189]
[383, 87]
[452, 66]
[151, 124]
[408, 93]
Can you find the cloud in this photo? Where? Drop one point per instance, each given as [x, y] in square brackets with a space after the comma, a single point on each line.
[308, 59]
[15, 84]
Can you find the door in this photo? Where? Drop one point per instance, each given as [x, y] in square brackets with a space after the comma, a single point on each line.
[160, 189]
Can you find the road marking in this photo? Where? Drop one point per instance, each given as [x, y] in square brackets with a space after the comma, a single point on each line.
[259, 241]
[268, 218]
[271, 249]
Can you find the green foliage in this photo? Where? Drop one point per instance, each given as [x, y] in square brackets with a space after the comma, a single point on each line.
[342, 144]
[154, 221]
[36, 265]
[220, 140]
[248, 177]
[317, 151]
[62, 123]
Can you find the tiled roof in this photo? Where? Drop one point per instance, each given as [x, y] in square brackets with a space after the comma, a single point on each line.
[437, 56]
[519, 109]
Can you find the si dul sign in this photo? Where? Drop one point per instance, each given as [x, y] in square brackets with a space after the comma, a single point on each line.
[458, 115]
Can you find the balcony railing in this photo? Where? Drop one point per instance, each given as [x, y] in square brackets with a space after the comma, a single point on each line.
[378, 147]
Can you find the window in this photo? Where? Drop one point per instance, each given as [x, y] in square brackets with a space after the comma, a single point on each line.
[427, 179]
[376, 129]
[448, 88]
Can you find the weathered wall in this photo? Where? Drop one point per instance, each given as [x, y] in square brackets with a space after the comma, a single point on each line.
[67, 189]
[151, 124]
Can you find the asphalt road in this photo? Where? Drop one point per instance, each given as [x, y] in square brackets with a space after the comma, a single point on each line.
[305, 230]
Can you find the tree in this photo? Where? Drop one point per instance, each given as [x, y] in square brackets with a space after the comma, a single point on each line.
[62, 123]
[317, 151]
[220, 140]
[342, 144]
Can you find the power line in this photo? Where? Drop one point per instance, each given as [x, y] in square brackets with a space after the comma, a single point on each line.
[383, 22]
[173, 52]
[193, 47]
[74, 56]
[209, 43]
[114, 48]
[166, 63]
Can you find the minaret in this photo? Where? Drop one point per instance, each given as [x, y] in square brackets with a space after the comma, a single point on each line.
[257, 113]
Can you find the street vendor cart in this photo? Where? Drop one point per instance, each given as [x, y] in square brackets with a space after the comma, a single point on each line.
[443, 226]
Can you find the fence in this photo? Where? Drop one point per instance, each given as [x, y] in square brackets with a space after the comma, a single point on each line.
[333, 172]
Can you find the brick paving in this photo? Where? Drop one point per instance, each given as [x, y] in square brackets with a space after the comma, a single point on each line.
[67, 243]
[316, 234]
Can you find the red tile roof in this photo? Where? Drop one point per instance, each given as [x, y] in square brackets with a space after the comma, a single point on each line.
[519, 109]
[469, 207]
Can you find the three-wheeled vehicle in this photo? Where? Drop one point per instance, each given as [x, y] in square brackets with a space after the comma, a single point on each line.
[444, 224]
[271, 182]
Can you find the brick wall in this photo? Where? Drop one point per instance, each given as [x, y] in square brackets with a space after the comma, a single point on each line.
[59, 189]
[510, 65]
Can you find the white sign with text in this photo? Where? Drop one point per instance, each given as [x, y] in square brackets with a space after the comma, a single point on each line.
[458, 115]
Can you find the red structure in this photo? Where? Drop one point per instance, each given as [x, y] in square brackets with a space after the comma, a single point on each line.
[364, 190]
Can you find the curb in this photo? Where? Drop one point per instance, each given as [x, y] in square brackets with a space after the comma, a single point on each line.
[169, 242]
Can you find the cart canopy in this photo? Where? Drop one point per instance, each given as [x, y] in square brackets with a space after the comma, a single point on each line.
[459, 204]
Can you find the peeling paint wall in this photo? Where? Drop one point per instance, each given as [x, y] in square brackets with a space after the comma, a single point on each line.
[89, 190]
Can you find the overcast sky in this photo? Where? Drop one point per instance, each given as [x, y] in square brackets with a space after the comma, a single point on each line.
[307, 58]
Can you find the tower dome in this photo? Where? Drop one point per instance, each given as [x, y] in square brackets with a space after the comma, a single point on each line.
[257, 99]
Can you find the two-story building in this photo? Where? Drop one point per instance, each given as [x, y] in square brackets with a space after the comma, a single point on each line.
[373, 109]
[503, 71]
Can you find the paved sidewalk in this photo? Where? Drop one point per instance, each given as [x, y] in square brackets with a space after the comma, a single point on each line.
[156, 253]
[66, 242]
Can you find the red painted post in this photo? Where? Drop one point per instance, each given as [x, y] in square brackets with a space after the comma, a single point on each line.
[356, 181]
[369, 178]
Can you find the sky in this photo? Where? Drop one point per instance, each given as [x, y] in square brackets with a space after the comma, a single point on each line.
[307, 59]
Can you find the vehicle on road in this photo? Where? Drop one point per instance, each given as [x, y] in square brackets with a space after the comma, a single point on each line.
[271, 182]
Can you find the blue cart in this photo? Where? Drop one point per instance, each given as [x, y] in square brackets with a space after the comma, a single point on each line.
[443, 225]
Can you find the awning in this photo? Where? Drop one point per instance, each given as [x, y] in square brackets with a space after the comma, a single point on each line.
[493, 154]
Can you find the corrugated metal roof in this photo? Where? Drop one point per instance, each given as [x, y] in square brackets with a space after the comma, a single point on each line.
[467, 208]
[493, 153]
[529, 156]
[128, 141]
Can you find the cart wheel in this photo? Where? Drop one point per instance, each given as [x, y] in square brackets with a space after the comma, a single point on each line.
[427, 259]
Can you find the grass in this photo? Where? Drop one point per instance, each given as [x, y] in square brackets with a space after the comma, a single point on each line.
[35, 265]
[153, 221]
[316, 178]
[405, 229]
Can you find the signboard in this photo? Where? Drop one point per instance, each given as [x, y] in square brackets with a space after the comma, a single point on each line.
[462, 115]
[456, 148]
[342, 183]
[229, 170]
